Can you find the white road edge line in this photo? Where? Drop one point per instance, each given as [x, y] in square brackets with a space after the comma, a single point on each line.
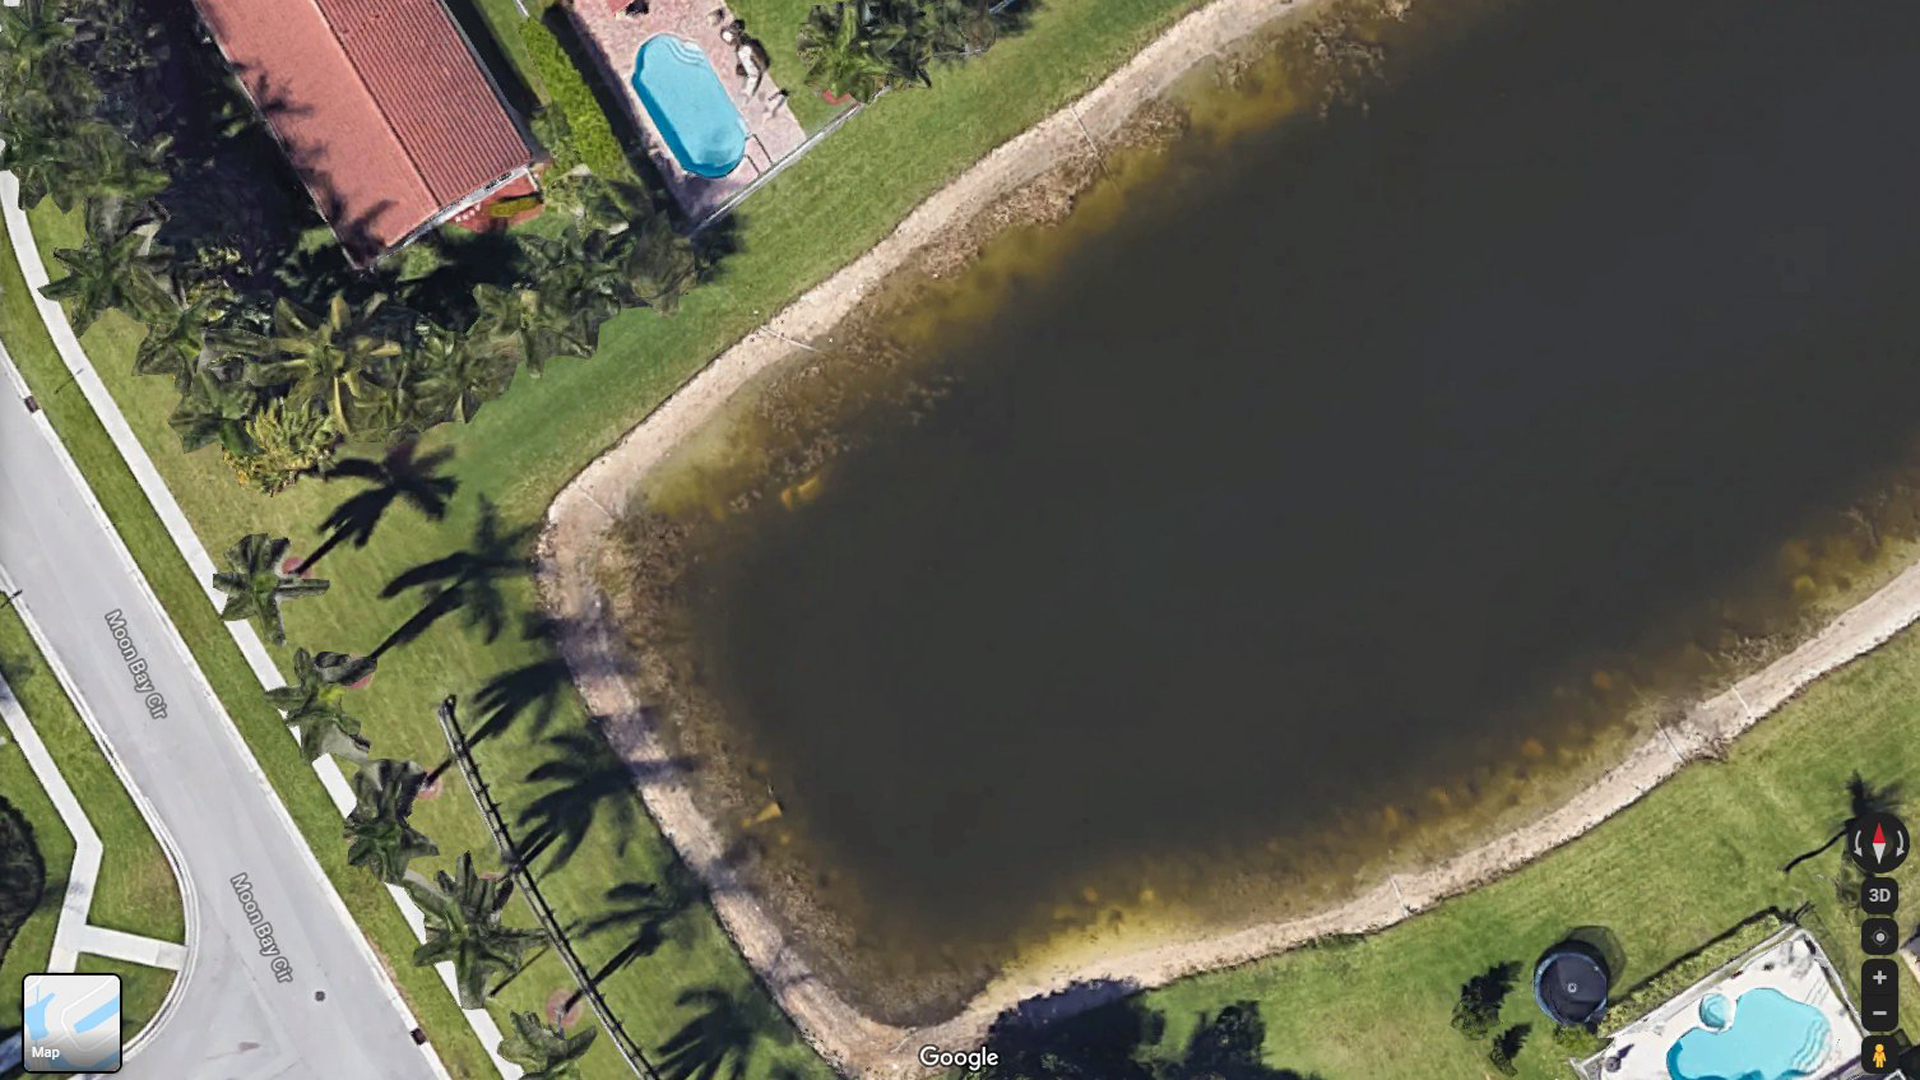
[160, 498]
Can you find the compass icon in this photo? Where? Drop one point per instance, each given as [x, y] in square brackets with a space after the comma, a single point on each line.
[1877, 842]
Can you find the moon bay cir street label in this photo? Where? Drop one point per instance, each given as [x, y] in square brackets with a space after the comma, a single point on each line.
[136, 666]
[262, 929]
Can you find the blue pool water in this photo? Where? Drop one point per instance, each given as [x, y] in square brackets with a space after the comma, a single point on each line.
[1771, 1037]
[688, 105]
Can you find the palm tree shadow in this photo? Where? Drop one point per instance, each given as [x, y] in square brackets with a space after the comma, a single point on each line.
[1863, 798]
[647, 912]
[532, 690]
[468, 581]
[401, 475]
[727, 1029]
[592, 783]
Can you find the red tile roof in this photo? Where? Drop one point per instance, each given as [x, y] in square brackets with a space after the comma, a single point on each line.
[381, 105]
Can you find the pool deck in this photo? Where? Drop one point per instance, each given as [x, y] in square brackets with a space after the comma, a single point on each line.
[1791, 963]
[614, 40]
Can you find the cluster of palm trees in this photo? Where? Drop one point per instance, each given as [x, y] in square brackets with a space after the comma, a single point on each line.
[279, 387]
[462, 909]
[857, 48]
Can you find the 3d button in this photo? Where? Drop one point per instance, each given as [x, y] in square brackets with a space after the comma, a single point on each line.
[1879, 896]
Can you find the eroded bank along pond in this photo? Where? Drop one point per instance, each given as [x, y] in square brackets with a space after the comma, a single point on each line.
[1320, 497]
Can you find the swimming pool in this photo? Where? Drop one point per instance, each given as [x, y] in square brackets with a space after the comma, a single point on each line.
[1769, 1036]
[688, 105]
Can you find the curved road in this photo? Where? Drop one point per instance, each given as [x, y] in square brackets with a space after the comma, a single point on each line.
[329, 1011]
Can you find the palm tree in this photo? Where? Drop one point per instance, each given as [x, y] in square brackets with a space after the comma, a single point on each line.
[176, 338]
[524, 326]
[1863, 798]
[472, 578]
[846, 51]
[382, 839]
[958, 29]
[656, 264]
[255, 586]
[117, 266]
[311, 703]
[542, 1052]
[116, 172]
[402, 398]
[463, 926]
[326, 360]
[575, 266]
[592, 784]
[29, 34]
[38, 152]
[214, 408]
[401, 475]
[461, 378]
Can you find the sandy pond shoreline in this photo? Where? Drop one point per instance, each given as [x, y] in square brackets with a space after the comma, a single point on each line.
[582, 518]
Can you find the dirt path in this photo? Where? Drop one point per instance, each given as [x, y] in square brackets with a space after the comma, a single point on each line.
[581, 517]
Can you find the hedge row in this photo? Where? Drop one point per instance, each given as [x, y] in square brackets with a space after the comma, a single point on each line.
[1684, 973]
[585, 136]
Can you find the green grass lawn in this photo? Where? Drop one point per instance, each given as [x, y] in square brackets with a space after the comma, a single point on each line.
[142, 989]
[118, 491]
[30, 947]
[1694, 857]
[817, 216]
[136, 891]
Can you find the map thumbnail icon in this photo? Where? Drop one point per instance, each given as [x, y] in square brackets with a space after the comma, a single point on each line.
[72, 1023]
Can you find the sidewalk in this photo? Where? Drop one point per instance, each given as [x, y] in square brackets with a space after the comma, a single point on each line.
[74, 935]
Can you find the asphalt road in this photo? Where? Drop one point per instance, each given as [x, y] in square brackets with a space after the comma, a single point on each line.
[319, 1006]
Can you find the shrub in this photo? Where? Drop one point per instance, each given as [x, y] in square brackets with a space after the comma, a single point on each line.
[581, 126]
[1577, 1040]
[1477, 1011]
[22, 871]
[1687, 970]
[1506, 1047]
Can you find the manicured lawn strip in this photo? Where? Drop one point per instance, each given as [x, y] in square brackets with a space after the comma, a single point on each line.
[136, 892]
[31, 946]
[1693, 858]
[142, 989]
[698, 955]
[817, 216]
[127, 507]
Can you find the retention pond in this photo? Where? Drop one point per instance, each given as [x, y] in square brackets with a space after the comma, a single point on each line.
[1324, 494]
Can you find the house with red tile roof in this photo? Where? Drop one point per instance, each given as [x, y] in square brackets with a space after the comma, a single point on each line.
[383, 107]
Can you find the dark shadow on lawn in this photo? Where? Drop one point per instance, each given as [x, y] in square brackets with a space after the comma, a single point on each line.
[402, 475]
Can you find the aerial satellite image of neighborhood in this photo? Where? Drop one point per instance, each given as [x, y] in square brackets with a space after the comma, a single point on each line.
[959, 540]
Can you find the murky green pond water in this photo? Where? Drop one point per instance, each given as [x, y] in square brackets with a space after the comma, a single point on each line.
[1352, 489]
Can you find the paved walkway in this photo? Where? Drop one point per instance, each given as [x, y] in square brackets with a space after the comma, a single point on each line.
[73, 935]
[167, 509]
